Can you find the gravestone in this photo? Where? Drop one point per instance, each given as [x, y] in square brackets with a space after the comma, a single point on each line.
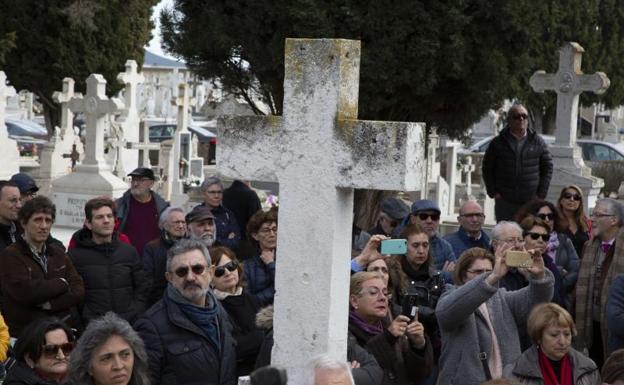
[93, 177]
[433, 166]
[452, 178]
[318, 152]
[144, 146]
[568, 82]
[54, 160]
[129, 119]
[467, 169]
[8, 147]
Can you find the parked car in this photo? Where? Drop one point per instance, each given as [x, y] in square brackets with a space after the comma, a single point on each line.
[30, 136]
[207, 139]
[592, 150]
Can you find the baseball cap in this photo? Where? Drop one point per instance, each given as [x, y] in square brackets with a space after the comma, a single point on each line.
[395, 208]
[25, 183]
[143, 172]
[424, 205]
[198, 213]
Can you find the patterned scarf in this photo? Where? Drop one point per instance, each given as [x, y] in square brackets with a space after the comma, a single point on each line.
[553, 244]
[374, 329]
[206, 317]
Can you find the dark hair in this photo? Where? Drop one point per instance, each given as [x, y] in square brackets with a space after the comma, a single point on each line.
[413, 229]
[98, 203]
[258, 219]
[98, 333]
[7, 183]
[466, 259]
[184, 246]
[613, 368]
[560, 223]
[38, 204]
[217, 252]
[32, 338]
[579, 216]
[530, 221]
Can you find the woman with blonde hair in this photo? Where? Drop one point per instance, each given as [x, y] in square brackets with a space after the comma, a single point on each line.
[552, 360]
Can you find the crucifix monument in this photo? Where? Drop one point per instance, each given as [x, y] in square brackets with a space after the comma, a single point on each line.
[319, 152]
[8, 147]
[129, 119]
[93, 177]
[568, 82]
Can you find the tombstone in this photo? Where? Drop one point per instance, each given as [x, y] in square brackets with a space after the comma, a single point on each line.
[54, 160]
[433, 166]
[129, 119]
[93, 177]
[452, 178]
[144, 146]
[8, 147]
[468, 168]
[318, 152]
[568, 83]
[442, 197]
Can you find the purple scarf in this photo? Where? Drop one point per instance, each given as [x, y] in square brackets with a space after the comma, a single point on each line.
[553, 244]
[374, 329]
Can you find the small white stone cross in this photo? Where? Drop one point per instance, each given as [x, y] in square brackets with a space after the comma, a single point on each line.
[63, 98]
[568, 82]
[131, 79]
[95, 105]
[468, 168]
[318, 152]
[184, 101]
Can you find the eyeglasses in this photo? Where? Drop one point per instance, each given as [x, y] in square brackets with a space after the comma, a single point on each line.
[424, 216]
[390, 221]
[514, 240]
[536, 236]
[473, 215]
[374, 292]
[139, 180]
[220, 271]
[215, 192]
[268, 230]
[600, 215]
[520, 117]
[182, 271]
[479, 271]
[378, 269]
[573, 197]
[546, 217]
[51, 351]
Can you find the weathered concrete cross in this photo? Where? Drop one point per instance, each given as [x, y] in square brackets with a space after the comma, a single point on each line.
[95, 105]
[131, 78]
[318, 152]
[568, 82]
[63, 98]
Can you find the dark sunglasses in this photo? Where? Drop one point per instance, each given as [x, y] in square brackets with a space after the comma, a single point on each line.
[424, 216]
[546, 217]
[520, 117]
[536, 236]
[574, 197]
[196, 269]
[51, 351]
[231, 266]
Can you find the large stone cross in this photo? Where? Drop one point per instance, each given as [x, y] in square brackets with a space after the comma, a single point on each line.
[184, 101]
[63, 98]
[318, 152]
[131, 78]
[568, 82]
[95, 105]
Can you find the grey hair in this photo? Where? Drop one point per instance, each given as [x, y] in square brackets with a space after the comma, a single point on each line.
[184, 246]
[96, 334]
[325, 362]
[498, 229]
[164, 216]
[614, 207]
[210, 181]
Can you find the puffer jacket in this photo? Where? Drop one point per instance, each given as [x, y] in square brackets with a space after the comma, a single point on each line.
[527, 370]
[155, 265]
[113, 277]
[22, 374]
[517, 183]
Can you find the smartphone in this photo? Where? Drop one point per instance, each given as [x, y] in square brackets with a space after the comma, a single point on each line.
[409, 307]
[514, 258]
[393, 246]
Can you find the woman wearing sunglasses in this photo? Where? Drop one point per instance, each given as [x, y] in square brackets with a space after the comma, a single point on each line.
[42, 353]
[579, 225]
[228, 286]
[559, 247]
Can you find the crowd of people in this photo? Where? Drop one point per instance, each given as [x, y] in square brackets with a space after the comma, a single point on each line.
[146, 293]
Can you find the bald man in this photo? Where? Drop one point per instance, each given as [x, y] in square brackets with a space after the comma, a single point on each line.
[470, 233]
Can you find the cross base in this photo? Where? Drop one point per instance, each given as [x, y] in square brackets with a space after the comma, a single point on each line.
[570, 159]
[590, 185]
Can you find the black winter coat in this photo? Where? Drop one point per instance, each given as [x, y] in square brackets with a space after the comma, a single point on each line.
[21, 374]
[155, 265]
[179, 353]
[517, 183]
[113, 277]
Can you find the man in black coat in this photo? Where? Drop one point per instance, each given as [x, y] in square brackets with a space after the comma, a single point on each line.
[517, 165]
[10, 204]
[112, 271]
[243, 202]
[187, 334]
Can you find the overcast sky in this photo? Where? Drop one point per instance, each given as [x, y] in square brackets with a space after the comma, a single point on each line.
[154, 44]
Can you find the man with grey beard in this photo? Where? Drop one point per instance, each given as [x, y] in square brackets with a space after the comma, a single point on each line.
[201, 225]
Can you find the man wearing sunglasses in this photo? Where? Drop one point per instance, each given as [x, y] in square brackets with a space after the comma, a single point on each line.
[393, 211]
[517, 165]
[187, 334]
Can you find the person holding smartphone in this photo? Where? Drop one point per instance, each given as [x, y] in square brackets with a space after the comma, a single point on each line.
[397, 341]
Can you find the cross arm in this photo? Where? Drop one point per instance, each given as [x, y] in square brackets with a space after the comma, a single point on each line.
[540, 81]
[381, 155]
[596, 83]
[249, 147]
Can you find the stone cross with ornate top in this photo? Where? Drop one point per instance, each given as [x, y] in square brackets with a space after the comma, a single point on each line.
[63, 98]
[319, 153]
[568, 82]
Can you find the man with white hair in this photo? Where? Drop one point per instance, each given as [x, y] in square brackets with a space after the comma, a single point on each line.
[325, 370]
[201, 225]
